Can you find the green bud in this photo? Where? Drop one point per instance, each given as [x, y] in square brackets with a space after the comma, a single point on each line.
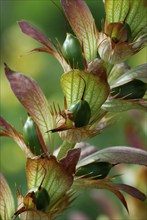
[96, 170]
[81, 113]
[31, 137]
[42, 199]
[72, 52]
[134, 89]
[119, 32]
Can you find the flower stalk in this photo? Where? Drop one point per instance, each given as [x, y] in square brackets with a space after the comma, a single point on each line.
[97, 85]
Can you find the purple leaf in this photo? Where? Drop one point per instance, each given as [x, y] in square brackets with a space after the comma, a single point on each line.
[86, 149]
[131, 191]
[115, 155]
[70, 161]
[119, 195]
[32, 98]
[85, 183]
[83, 24]
[31, 31]
[7, 130]
[35, 34]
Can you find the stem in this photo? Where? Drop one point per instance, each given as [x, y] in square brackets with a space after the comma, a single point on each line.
[65, 147]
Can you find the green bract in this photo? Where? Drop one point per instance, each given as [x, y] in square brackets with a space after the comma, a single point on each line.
[134, 89]
[72, 52]
[31, 137]
[94, 170]
[95, 93]
[37, 198]
[80, 111]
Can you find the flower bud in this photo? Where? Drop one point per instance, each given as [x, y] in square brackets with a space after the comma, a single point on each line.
[119, 32]
[81, 113]
[42, 199]
[72, 52]
[96, 170]
[31, 137]
[134, 89]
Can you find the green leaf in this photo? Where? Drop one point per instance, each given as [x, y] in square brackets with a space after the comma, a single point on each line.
[138, 72]
[140, 42]
[131, 11]
[119, 105]
[116, 11]
[115, 155]
[32, 98]
[58, 208]
[7, 207]
[83, 24]
[57, 177]
[136, 17]
[96, 91]
[116, 72]
[7, 130]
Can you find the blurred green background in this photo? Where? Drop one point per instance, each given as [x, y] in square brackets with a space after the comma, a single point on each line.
[46, 70]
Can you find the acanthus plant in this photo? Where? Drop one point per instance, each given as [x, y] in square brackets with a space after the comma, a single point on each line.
[97, 84]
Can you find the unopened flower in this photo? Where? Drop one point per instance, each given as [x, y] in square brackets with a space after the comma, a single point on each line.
[123, 33]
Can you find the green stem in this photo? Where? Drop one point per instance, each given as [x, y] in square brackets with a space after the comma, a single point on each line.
[65, 147]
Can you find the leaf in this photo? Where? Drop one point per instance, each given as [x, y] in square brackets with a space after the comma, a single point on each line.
[116, 11]
[53, 175]
[131, 11]
[63, 203]
[37, 35]
[35, 215]
[140, 42]
[120, 105]
[59, 207]
[106, 183]
[114, 54]
[83, 24]
[86, 149]
[96, 91]
[31, 31]
[138, 72]
[70, 161]
[119, 195]
[7, 130]
[115, 155]
[131, 191]
[32, 98]
[64, 148]
[7, 207]
[84, 183]
[116, 72]
[136, 17]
